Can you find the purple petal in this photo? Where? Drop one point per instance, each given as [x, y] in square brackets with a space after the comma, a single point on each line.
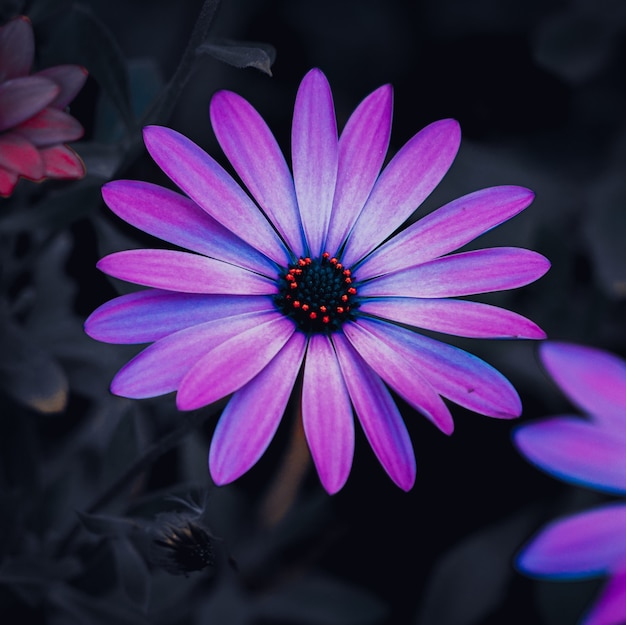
[50, 127]
[327, 414]
[314, 151]
[188, 273]
[593, 379]
[454, 316]
[462, 377]
[159, 369]
[362, 148]
[206, 182]
[60, 161]
[468, 273]
[150, 315]
[584, 545]
[17, 48]
[447, 229]
[254, 153]
[610, 607]
[21, 156]
[70, 79]
[249, 421]
[576, 451]
[179, 220]
[233, 363]
[383, 426]
[403, 185]
[401, 375]
[21, 98]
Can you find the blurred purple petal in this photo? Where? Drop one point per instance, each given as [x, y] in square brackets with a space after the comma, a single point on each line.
[249, 421]
[610, 607]
[178, 220]
[403, 185]
[19, 155]
[233, 363]
[180, 271]
[454, 316]
[314, 150]
[467, 273]
[446, 229]
[8, 180]
[17, 48]
[362, 148]
[70, 79]
[254, 153]
[50, 126]
[21, 98]
[327, 414]
[381, 421]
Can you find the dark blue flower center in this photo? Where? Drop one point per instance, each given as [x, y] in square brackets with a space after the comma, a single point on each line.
[318, 294]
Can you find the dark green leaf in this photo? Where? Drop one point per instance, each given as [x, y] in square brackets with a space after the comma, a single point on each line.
[241, 54]
[132, 572]
[110, 526]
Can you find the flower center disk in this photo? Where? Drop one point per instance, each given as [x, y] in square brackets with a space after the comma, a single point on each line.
[318, 294]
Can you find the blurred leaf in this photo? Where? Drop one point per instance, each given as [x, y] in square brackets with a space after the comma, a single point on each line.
[317, 600]
[241, 54]
[109, 526]
[123, 448]
[469, 582]
[132, 572]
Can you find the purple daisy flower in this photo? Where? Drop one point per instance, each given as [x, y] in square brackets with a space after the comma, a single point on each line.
[33, 125]
[309, 278]
[591, 452]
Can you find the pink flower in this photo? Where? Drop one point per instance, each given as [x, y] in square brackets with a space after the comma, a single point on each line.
[589, 451]
[309, 278]
[33, 124]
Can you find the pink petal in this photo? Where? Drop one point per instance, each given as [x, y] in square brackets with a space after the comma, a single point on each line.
[454, 316]
[403, 185]
[159, 369]
[19, 155]
[206, 182]
[253, 152]
[584, 545]
[457, 375]
[150, 315]
[327, 414]
[183, 272]
[17, 48]
[250, 420]
[610, 607]
[233, 363]
[401, 375]
[179, 220]
[383, 426]
[8, 180]
[70, 79]
[21, 98]
[50, 127]
[447, 229]
[468, 273]
[362, 148]
[62, 162]
[576, 450]
[593, 379]
[314, 152]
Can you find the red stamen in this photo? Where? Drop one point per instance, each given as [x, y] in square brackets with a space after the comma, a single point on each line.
[325, 255]
[305, 307]
[351, 291]
[346, 272]
[323, 309]
[293, 285]
[348, 280]
[326, 319]
[313, 315]
[340, 310]
[344, 298]
[290, 277]
[296, 303]
[333, 261]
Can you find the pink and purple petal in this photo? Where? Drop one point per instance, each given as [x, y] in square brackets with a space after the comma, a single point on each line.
[400, 374]
[314, 150]
[577, 451]
[19, 155]
[610, 607]
[403, 185]
[62, 162]
[8, 180]
[254, 153]
[457, 375]
[177, 219]
[467, 273]
[378, 414]
[150, 315]
[453, 316]
[21, 98]
[183, 272]
[250, 420]
[327, 414]
[447, 229]
[362, 148]
[17, 48]
[587, 544]
[593, 379]
[208, 184]
[50, 127]
[233, 363]
[159, 369]
[70, 79]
